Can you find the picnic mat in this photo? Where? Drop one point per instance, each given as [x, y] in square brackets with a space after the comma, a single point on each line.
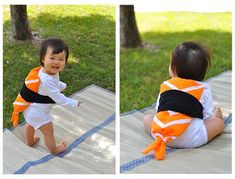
[214, 157]
[88, 130]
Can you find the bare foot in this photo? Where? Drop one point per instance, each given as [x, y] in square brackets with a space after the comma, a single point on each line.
[36, 139]
[218, 113]
[61, 147]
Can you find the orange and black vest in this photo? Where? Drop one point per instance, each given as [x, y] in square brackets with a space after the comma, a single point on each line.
[28, 94]
[179, 103]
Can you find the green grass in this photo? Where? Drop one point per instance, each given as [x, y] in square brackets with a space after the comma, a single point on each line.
[89, 32]
[143, 70]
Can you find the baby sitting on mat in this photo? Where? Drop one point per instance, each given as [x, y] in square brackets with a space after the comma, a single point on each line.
[185, 116]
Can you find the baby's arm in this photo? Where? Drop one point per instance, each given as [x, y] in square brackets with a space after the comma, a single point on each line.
[212, 118]
[207, 102]
[53, 92]
[62, 86]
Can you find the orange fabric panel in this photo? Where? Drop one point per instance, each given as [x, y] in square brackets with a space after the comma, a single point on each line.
[165, 117]
[173, 130]
[33, 75]
[182, 83]
[197, 93]
[164, 88]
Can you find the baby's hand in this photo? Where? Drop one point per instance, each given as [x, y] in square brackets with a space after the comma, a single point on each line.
[79, 103]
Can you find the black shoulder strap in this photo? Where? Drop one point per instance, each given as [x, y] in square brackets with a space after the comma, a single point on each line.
[181, 102]
[31, 96]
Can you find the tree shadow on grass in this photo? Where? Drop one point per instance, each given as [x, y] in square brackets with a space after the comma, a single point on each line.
[91, 41]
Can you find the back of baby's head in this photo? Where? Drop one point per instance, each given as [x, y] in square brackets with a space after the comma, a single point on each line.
[190, 60]
[57, 46]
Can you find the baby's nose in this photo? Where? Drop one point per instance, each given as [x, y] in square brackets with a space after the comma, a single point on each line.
[57, 61]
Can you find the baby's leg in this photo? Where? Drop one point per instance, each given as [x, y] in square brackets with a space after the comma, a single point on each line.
[148, 123]
[49, 139]
[215, 124]
[31, 139]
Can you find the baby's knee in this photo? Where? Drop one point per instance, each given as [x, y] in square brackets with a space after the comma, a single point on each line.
[214, 126]
[221, 123]
[148, 122]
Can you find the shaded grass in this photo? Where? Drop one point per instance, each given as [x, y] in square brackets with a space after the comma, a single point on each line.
[89, 32]
[143, 70]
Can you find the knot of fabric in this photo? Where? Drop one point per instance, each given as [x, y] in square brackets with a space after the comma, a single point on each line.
[158, 146]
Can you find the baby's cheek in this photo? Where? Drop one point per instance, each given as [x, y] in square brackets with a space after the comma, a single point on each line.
[62, 67]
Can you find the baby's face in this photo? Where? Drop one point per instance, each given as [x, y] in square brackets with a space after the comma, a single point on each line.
[54, 63]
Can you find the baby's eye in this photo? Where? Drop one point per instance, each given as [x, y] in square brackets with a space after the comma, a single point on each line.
[61, 59]
[52, 58]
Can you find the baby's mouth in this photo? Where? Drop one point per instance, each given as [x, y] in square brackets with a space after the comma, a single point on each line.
[55, 67]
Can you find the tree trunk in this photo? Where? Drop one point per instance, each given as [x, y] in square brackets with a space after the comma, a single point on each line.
[129, 35]
[19, 22]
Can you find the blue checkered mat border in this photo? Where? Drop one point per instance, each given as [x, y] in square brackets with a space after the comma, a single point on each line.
[78, 141]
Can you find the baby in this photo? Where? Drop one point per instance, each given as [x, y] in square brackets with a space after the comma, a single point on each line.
[41, 89]
[186, 117]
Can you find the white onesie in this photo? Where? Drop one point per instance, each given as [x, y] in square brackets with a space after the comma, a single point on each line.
[196, 133]
[37, 114]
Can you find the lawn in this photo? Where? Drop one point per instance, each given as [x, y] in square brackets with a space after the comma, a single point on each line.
[89, 32]
[143, 70]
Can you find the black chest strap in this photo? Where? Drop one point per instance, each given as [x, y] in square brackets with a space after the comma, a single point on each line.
[31, 96]
[181, 102]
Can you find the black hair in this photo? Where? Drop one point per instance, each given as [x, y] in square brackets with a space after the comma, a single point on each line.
[57, 46]
[190, 60]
